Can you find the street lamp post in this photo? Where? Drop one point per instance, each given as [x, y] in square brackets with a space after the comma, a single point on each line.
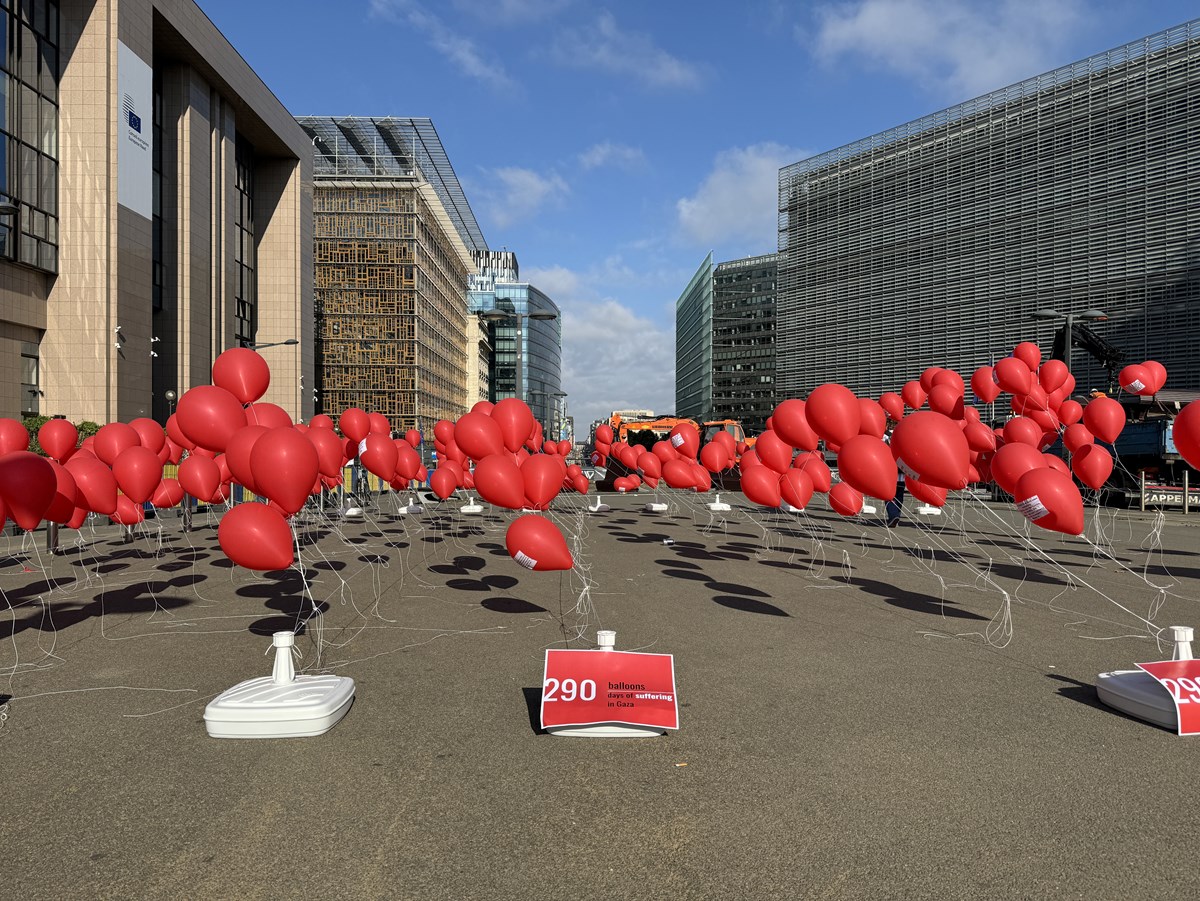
[254, 345]
[1069, 318]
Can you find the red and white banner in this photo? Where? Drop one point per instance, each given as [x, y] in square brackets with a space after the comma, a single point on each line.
[1182, 679]
[586, 688]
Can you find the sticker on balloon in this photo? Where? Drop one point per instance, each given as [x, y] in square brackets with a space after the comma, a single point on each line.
[676, 440]
[908, 471]
[525, 560]
[1032, 508]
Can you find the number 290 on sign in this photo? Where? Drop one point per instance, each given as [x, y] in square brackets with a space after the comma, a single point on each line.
[568, 690]
[1183, 684]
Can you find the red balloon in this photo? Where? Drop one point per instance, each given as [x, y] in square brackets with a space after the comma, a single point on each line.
[714, 456]
[150, 433]
[62, 508]
[649, 466]
[873, 418]
[95, 487]
[1070, 412]
[321, 421]
[1029, 354]
[1136, 379]
[1049, 499]
[796, 488]
[913, 394]
[168, 493]
[408, 461]
[774, 452]
[605, 433]
[866, 464]
[686, 440]
[285, 466]
[57, 437]
[237, 455]
[1022, 430]
[257, 537]
[1012, 461]
[1076, 436]
[930, 447]
[355, 424]
[1093, 465]
[270, 416]
[1185, 430]
[984, 385]
[979, 437]
[662, 449]
[13, 436]
[791, 424]
[928, 494]
[761, 485]
[893, 405]
[479, 435]
[623, 484]
[1055, 462]
[208, 416]
[138, 472]
[951, 378]
[379, 424]
[1158, 373]
[243, 373]
[947, 400]
[412, 437]
[832, 411]
[818, 471]
[679, 475]
[28, 486]
[564, 447]
[1052, 375]
[128, 513]
[200, 477]
[1013, 375]
[114, 438]
[926, 380]
[845, 499]
[542, 477]
[174, 434]
[443, 482]
[330, 452]
[1104, 418]
[537, 544]
[515, 420]
[378, 455]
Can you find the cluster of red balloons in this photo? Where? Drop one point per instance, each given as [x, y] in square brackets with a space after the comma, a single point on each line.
[672, 460]
[1145, 379]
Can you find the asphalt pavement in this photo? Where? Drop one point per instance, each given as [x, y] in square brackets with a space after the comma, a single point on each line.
[864, 712]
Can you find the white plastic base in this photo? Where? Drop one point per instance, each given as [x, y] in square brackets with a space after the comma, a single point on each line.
[353, 514]
[412, 508]
[718, 507]
[600, 507]
[655, 508]
[262, 708]
[788, 508]
[470, 507]
[868, 508]
[929, 510]
[605, 730]
[1140, 695]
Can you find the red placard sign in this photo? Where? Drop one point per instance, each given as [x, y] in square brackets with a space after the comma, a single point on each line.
[586, 688]
[1182, 679]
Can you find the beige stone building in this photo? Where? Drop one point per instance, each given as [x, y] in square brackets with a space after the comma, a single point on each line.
[156, 210]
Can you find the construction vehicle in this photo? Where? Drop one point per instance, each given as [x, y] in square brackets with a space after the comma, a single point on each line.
[732, 426]
[647, 431]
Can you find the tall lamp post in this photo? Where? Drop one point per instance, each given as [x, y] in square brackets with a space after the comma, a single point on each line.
[503, 316]
[1086, 315]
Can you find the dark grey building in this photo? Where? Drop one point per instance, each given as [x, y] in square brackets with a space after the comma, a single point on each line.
[933, 243]
[743, 342]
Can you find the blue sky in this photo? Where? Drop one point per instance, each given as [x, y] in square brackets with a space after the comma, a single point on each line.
[611, 146]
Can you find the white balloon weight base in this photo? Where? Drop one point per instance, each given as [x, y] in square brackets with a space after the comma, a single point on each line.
[412, 507]
[282, 705]
[655, 507]
[470, 507]
[353, 514]
[929, 510]
[1138, 694]
[868, 508]
[718, 507]
[600, 507]
[605, 730]
[788, 508]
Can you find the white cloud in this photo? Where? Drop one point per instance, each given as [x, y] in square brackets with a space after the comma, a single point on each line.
[957, 49]
[738, 201]
[511, 194]
[556, 281]
[605, 47]
[614, 359]
[511, 12]
[461, 51]
[609, 154]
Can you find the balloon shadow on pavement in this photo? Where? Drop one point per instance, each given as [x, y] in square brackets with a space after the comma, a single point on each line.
[749, 605]
[511, 605]
[908, 600]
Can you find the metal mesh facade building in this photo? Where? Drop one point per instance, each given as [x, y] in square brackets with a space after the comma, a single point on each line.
[932, 243]
[394, 238]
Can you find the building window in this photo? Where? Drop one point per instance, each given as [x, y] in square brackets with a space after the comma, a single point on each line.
[29, 133]
[30, 391]
[245, 282]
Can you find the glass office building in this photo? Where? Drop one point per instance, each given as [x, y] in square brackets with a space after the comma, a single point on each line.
[934, 242]
[694, 345]
[743, 342]
[526, 352]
